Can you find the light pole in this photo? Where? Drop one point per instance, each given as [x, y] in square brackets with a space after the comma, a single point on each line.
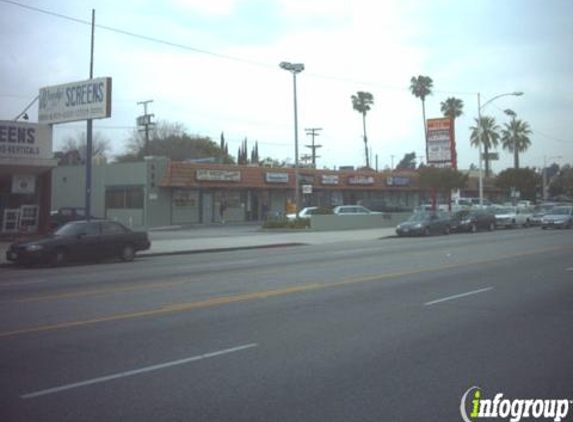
[544, 173]
[295, 68]
[480, 129]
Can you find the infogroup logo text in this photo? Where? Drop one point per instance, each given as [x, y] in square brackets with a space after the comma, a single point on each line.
[514, 409]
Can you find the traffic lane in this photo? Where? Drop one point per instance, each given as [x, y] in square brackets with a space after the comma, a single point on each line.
[72, 305]
[325, 339]
[83, 274]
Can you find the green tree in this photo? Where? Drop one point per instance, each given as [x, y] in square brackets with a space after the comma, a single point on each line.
[515, 138]
[527, 181]
[408, 162]
[561, 184]
[489, 137]
[170, 140]
[441, 180]
[362, 102]
[421, 87]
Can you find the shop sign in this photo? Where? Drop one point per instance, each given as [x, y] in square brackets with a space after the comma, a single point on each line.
[307, 189]
[397, 181]
[276, 177]
[23, 183]
[329, 179]
[209, 175]
[83, 100]
[361, 180]
[25, 141]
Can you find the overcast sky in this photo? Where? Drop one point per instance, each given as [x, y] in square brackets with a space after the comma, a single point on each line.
[224, 76]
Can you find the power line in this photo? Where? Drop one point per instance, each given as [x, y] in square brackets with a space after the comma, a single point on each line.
[214, 54]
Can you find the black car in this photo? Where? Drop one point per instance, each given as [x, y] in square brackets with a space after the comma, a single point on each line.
[423, 223]
[473, 220]
[81, 241]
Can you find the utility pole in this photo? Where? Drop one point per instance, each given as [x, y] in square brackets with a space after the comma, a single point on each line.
[313, 132]
[392, 165]
[146, 122]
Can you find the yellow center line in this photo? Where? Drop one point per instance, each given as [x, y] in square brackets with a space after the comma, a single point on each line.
[263, 294]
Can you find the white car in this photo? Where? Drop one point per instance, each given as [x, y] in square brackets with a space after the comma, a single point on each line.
[353, 210]
[512, 217]
[304, 213]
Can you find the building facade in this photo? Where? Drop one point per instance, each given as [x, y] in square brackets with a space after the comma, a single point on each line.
[157, 192]
[26, 161]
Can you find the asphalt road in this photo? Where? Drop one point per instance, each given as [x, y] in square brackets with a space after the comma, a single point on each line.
[388, 330]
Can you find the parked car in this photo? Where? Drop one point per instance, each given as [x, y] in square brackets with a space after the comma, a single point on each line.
[539, 211]
[304, 213]
[558, 217]
[353, 210]
[81, 240]
[512, 217]
[473, 220]
[65, 215]
[423, 223]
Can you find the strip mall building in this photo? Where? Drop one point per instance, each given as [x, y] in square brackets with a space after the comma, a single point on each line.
[158, 192]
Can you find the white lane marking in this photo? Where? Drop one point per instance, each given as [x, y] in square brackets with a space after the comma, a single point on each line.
[474, 292]
[135, 372]
[570, 269]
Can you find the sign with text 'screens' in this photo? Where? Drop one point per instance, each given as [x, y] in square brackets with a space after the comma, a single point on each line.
[25, 141]
[83, 100]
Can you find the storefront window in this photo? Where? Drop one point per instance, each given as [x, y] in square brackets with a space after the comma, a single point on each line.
[124, 198]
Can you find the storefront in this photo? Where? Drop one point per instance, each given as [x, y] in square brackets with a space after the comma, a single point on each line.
[26, 161]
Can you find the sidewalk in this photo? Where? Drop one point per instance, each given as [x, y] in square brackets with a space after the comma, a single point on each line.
[190, 240]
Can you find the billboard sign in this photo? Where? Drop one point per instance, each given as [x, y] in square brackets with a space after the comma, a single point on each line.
[440, 142]
[83, 100]
[218, 175]
[28, 142]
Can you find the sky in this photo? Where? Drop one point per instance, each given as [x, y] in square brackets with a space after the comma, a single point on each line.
[216, 69]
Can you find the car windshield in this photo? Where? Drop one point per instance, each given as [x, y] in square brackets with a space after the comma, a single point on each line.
[419, 216]
[560, 211]
[71, 229]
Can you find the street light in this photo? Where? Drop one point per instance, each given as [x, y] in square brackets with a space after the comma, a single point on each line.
[480, 107]
[295, 68]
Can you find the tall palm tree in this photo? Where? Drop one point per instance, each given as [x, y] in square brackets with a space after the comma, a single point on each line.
[515, 138]
[421, 87]
[489, 137]
[361, 102]
[453, 108]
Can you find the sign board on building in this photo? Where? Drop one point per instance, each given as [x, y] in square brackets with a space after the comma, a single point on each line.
[440, 137]
[361, 180]
[306, 189]
[397, 181]
[23, 183]
[218, 175]
[330, 179]
[28, 142]
[276, 177]
[306, 179]
[83, 100]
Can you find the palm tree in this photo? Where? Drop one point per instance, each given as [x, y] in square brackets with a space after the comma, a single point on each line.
[453, 108]
[421, 87]
[515, 138]
[361, 102]
[489, 137]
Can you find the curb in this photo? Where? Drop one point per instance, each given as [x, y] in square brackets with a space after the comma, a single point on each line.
[214, 250]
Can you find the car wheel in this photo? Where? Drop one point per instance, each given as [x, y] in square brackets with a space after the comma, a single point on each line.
[59, 257]
[127, 253]
[526, 224]
[513, 224]
[473, 228]
[543, 228]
